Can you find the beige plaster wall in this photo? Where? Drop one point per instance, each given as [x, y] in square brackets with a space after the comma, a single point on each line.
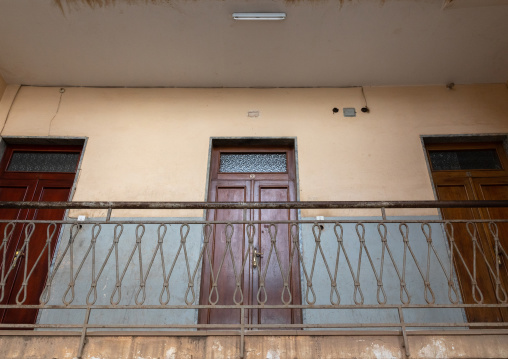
[152, 144]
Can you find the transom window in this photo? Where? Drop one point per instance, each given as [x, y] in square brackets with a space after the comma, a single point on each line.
[32, 161]
[253, 163]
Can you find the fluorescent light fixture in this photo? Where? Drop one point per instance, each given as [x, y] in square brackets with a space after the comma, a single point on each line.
[259, 15]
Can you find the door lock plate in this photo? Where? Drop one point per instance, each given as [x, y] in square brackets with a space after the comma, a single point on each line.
[17, 255]
[255, 255]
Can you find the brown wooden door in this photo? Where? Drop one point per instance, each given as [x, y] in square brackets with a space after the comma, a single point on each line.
[226, 191]
[495, 188]
[29, 185]
[275, 191]
[488, 183]
[251, 187]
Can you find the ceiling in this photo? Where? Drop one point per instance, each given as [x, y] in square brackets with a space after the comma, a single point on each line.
[196, 43]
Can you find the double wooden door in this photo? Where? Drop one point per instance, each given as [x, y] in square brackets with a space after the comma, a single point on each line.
[29, 182]
[261, 270]
[483, 175]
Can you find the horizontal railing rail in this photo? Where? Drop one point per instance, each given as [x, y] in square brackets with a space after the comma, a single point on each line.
[414, 272]
[256, 205]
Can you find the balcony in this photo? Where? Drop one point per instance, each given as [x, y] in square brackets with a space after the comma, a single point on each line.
[377, 286]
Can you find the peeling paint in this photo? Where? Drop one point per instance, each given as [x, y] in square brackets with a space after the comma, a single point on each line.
[75, 4]
[437, 349]
[217, 346]
[271, 347]
[273, 354]
[170, 353]
[381, 352]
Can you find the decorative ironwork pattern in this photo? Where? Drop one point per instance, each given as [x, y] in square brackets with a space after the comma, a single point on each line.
[26, 161]
[380, 264]
[253, 162]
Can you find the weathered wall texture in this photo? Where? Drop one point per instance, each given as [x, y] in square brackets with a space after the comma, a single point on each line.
[152, 144]
[270, 347]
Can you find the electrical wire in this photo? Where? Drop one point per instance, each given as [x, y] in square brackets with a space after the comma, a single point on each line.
[62, 90]
[364, 98]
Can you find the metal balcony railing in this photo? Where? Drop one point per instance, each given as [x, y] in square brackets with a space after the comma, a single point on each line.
[394, 274]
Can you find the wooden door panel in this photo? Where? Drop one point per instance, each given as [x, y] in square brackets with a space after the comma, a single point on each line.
[496, 189]
[30, 186]
[248, 187]
[271, 262]
[460, 189]
[226, 191]
[13, 190]
[46, 191]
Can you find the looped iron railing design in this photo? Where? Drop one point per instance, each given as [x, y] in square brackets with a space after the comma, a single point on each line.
[344, 263]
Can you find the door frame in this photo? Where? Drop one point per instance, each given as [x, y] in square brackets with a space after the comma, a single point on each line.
[250, 142]
[426, 140]
[480, 141]
[49, 141]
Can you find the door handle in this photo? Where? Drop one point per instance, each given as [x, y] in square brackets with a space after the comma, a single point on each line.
[255, 255]
[17, 255]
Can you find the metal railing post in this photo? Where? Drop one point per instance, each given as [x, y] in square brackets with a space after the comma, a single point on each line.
[82, 340]
[404, 332]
